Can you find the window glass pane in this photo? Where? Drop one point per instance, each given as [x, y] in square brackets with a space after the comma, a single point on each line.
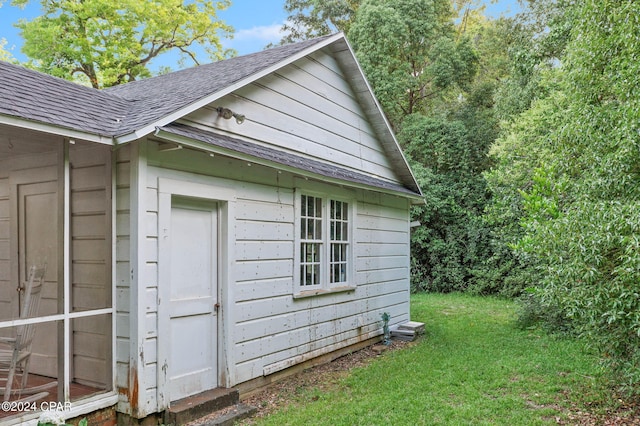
[339, 221]
[309, 231]
[310, 264]
[318, 230]
[338, 262]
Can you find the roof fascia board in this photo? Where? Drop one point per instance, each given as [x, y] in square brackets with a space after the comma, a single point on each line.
[201, 146]
[372, 101]
[56, 130]
[229, 89]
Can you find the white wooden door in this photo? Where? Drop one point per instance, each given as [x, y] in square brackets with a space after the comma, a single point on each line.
[193, 328]
[38, 244]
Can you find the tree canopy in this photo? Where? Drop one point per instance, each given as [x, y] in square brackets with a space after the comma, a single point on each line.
[4, 54]
[107, 42]
[408, 51]
[315, 18]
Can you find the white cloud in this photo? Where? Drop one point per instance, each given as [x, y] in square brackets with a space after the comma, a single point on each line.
[268, 34]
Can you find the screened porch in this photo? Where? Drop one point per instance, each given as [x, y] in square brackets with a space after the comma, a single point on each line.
[56, 293]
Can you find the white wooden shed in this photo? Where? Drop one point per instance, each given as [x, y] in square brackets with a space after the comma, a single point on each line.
[201, 229]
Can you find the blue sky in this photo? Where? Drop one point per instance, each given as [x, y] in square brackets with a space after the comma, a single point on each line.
[257, 23]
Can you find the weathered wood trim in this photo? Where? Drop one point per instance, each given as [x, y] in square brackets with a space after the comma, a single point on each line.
[64, 272]
[323, 292]
[226, 198]
[256, 385]
[137, 312]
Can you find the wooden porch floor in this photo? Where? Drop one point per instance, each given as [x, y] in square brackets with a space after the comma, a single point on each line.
[78, 392]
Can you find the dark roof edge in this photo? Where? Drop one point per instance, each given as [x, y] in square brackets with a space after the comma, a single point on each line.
[180, 133]
[54, 129]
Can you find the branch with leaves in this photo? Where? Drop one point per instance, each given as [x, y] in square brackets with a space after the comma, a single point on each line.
[109, 42]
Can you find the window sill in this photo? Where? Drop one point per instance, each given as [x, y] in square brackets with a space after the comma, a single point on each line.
[322, 291]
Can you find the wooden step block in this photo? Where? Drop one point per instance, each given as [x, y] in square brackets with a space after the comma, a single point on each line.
[418, 327]
[400, 334]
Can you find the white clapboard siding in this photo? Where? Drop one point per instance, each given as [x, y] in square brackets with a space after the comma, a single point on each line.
[258, 210]
[381, 250]
[278, 361]
[271, 330]
[379, 262]
[382, 238]
[306, 107]
[381, 276]
[262, 270]
[263, 289]
[263, 250]
[277, 347]
[90, 200]
[301, 319]
[266, 231]
[277, 113]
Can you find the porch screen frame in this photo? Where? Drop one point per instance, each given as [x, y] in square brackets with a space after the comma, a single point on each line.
[62, 174]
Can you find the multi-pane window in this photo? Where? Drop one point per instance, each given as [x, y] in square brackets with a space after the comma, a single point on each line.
[339, 240]
[310, 240]
[324, 241]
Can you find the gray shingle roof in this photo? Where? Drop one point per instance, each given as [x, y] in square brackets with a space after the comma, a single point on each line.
[126, 108]
[157, 97]
[282, 158]
[38, 97]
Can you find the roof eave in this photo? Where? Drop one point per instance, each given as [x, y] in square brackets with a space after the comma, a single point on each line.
[202, 146]
[56, 130]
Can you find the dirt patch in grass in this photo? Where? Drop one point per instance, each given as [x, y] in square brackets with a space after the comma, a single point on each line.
[625, 413]
[322, 377]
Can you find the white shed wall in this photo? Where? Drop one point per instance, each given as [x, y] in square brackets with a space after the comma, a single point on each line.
[271, 330]
[307, 108]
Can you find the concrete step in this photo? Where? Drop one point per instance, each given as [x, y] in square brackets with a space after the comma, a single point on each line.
[202, 404]
[226, 417]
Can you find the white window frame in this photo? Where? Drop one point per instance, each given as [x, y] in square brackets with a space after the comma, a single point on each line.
[323, 242]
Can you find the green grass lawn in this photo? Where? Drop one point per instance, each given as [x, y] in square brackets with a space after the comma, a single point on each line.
[473, 367]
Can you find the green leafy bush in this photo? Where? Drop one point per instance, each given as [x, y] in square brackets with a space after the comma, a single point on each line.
[578, 194]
